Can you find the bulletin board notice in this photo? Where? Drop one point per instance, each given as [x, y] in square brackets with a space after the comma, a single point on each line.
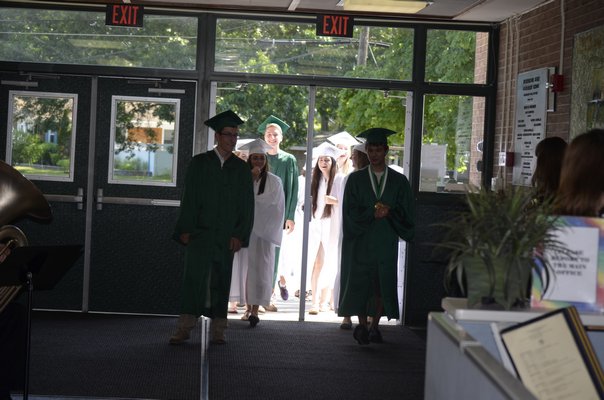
[531, 111]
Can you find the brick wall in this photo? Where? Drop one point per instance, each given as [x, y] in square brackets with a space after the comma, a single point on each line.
[533, 41]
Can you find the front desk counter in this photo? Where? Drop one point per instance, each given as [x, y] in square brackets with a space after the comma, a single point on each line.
[463, 359]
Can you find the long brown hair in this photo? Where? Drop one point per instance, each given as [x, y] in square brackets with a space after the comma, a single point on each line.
[581, 187]
[361, 159]
[263, 173]
[550, 154]
[317, 175]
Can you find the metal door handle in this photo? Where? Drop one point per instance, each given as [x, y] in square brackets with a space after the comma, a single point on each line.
[65, 198]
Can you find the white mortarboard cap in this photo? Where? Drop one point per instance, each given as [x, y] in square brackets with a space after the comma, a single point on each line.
[256, 146]
[242, 142]
[344, 138]
[327, 149]
[360, 147]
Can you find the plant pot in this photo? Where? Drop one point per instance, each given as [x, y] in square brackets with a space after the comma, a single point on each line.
[485, 291]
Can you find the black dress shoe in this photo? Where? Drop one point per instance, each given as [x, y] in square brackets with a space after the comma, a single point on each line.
[375, 336]
[253, 320]
[361, 334]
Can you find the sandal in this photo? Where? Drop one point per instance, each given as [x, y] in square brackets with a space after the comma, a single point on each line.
[246, 316]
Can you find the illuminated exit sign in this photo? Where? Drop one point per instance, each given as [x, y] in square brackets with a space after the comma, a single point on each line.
[124, 15]
[335, 25]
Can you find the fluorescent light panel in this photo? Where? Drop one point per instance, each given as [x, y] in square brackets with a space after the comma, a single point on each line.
[385, 6]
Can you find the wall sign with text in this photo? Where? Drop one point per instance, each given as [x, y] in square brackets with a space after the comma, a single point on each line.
[531, 110]
[124, 15]
[335, 25]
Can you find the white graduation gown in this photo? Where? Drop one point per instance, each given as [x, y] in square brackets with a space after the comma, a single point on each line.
[326, 232]
[253, 267]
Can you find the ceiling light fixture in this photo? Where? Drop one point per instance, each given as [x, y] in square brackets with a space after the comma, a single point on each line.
[386, 6]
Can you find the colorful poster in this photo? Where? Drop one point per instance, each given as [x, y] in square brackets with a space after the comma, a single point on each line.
[578, 276]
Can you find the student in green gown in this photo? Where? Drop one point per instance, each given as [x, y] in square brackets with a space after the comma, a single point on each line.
[377, 211]
[285, 166]
[215, 221]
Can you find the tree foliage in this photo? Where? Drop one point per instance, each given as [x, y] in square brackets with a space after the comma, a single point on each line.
[255, 46]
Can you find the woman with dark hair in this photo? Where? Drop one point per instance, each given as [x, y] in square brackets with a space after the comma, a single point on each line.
[324, 226]
[253, 285]
[550, 154]
[581, 190]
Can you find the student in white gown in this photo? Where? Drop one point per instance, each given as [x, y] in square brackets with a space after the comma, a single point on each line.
[345, 142]
[324, 226]
[256, 263]
[359, 161]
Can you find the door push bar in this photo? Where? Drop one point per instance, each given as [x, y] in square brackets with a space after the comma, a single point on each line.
[136, 201]
[66, 198]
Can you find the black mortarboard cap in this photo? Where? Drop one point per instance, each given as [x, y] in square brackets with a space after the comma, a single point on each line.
[226, 118]
[273, 120]
[376, 135]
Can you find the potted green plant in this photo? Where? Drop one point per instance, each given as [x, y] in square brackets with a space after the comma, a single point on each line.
[496, 243]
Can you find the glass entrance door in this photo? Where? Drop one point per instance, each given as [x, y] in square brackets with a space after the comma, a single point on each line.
[314, 114]
[109, 154]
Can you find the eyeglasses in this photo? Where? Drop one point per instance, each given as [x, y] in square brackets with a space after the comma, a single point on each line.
[233, 135]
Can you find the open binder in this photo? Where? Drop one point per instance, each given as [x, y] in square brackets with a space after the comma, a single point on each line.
[553, 356]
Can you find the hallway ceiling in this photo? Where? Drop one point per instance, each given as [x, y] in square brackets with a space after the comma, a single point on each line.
[447, 10]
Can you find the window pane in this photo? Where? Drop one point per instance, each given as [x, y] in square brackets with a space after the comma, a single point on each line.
[456, 56]
[268, 47]
[355, 110]
[453, 129]
[255, 102]
[144, 135]
[81, 37]
[42, 134]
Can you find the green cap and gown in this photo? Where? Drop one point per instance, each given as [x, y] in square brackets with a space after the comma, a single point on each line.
[222, 120]
[217, 204]
[370, 246]
[285, 166]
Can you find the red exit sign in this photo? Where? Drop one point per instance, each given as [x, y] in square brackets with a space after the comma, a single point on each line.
[335, 25]
[124, 15]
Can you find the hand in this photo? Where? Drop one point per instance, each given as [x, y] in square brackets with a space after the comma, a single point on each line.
[235, 245]
[381, 211]
[289, 226]
[184, 238]
[330, 199]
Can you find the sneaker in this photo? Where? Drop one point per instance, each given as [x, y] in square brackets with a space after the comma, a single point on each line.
[283, 291]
